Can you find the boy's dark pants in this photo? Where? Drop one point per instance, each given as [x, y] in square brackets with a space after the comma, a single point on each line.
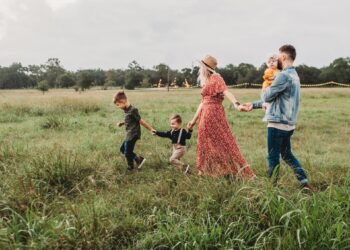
[279, 143]
[127, 149]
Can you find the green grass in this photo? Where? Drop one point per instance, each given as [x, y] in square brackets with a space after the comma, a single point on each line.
[64, 184]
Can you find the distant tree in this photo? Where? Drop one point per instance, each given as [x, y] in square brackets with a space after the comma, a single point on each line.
[43, 86]
[111, 78]
[133, 75]
[18, 76]
[53, 70]
[260, 73]
[308, 75]
[195, 71]
[15, 76]
[85, 79]
[100, 77]
[134, 66]
[66, 80]
[115, 77]
[120, 77]
[162, 70]
[190, 75]
[180, 78]
[133, 79]
[246, 73]
[338, 70]
[150, 76]
[146, 82]
[36, 73]
[229, 74]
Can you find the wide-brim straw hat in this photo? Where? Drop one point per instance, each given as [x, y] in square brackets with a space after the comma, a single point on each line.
[210, 62]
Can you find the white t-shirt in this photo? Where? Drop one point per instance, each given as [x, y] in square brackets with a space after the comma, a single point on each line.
[281, 126]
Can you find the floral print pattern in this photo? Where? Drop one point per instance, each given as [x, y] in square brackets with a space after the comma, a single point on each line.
[217, 150]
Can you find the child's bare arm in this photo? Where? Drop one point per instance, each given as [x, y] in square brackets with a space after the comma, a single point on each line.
[146, 125]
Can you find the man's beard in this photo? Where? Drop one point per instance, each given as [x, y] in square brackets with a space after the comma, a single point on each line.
[279, 64]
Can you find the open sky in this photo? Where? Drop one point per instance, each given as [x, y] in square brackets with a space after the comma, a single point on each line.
[111, 33]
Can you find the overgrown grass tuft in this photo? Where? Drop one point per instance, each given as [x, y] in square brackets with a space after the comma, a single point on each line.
[53, 122]
[58, 173]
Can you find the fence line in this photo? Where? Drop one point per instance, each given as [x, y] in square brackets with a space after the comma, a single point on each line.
[328, 84]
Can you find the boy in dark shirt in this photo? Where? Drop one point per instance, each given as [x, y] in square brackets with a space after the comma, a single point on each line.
[132, 128]
[178, 138]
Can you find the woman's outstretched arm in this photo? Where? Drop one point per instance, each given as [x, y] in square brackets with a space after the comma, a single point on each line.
[236, 104]
[194, 120]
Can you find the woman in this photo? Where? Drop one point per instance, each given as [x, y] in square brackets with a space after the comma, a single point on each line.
[217, 150]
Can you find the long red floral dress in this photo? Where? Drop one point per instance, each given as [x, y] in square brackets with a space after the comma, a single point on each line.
[217, 150]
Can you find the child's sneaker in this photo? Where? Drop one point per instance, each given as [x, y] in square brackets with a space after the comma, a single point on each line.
[187, 170]
[130, 168]
[140, 161]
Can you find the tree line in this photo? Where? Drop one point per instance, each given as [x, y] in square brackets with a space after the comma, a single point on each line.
[52, 74]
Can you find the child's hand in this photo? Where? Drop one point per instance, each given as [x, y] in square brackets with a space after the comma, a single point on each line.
[190, 125]
[153, 131]
[264, 107]
[119, 124]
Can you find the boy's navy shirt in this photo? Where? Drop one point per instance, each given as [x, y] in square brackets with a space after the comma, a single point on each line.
[132, 123]
[174, 136]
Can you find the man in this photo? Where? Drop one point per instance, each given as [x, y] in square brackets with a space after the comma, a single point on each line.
[283, 96]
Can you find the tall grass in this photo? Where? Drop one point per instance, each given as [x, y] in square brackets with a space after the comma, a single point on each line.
[64, 184]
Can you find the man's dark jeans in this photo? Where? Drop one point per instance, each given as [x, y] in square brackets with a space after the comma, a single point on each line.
[127, 149]
[279, 143]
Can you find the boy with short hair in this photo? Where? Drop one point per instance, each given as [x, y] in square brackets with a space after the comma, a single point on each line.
[132, 123]
[178, 137]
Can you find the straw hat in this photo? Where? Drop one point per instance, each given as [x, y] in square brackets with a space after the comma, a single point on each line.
[210, 62]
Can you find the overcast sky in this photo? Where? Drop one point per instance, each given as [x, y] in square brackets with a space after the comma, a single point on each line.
[111, 33]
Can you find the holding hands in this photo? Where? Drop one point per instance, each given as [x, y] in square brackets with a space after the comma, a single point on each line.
[191, 124]
[246, 107]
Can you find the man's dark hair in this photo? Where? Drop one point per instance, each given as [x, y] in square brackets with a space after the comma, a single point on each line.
[289, 50]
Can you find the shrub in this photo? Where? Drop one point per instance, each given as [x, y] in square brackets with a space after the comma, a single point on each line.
[43, 86]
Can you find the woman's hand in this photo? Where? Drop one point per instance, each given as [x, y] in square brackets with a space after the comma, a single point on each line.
[245, 107]
[191, 124]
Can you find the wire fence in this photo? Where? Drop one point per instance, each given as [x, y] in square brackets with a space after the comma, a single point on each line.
[319, 85]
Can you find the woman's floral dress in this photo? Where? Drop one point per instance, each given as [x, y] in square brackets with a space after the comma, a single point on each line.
[217, 150]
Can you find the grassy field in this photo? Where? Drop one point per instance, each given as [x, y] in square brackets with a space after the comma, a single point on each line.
[64, 185]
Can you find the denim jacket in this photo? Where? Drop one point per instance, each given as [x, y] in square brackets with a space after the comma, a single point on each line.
[284, 96]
